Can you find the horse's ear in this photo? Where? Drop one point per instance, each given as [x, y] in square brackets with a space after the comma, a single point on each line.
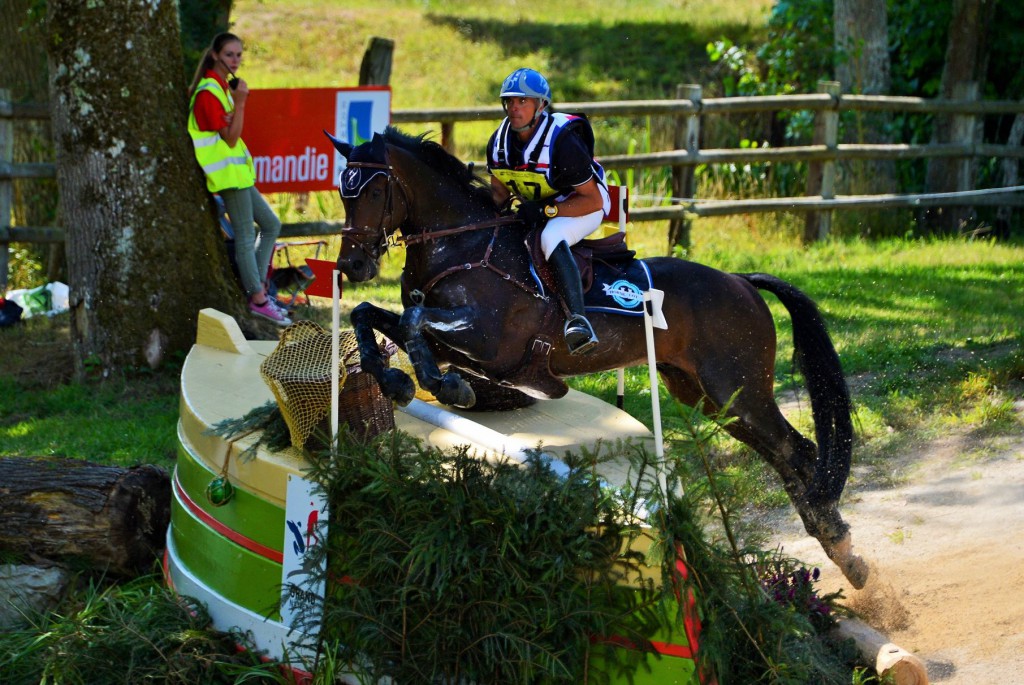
[343, 148]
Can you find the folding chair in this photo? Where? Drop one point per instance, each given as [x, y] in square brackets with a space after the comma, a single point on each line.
[286, 282]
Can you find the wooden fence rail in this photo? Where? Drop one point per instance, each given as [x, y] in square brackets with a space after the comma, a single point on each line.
[687, 112]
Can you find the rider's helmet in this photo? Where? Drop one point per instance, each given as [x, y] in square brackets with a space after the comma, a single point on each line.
[526, 83]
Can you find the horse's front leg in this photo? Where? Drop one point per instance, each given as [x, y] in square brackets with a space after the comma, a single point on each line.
[447, 326]
[394, 383]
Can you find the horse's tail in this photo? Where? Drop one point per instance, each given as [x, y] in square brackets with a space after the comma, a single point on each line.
[830, 398]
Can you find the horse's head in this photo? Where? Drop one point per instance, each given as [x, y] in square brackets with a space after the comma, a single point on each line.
[373, 208]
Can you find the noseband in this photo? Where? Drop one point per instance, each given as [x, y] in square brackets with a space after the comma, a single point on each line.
[364, 236]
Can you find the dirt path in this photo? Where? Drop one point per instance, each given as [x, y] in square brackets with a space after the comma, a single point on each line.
[946, 548]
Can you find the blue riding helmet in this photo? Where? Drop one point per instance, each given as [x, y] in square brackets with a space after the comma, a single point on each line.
[526, 83]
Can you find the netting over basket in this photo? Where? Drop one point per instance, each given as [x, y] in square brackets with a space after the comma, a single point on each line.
[298, 372]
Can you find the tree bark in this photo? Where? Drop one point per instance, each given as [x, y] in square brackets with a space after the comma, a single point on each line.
[144, 254]
[1010, 167]
[201, 20]
[966, 63]
[861, 35]
[375, 69]
[110, 518]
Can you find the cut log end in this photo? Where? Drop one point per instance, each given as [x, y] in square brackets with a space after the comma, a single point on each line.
[889, 660]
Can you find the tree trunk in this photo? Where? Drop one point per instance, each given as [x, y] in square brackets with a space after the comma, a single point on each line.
[861, 35]
[144, 254]
[201, 20]
[110, 518]
[375, 69]
[1010, 166]
[966, 63]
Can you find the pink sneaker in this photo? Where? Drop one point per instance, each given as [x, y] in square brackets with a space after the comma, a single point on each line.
[270, 312]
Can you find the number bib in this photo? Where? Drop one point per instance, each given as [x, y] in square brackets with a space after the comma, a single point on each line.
[528, 185]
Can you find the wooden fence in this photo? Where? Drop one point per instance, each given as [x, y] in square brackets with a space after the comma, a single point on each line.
[687, 112]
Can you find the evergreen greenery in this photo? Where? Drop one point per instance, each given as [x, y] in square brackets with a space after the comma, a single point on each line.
[135, 632]
[457, 569]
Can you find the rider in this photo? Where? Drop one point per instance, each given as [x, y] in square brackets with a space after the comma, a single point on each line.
[546, 160]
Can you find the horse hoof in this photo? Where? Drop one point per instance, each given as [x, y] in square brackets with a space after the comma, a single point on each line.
[853, 567]
[398, 386]
[455, 392]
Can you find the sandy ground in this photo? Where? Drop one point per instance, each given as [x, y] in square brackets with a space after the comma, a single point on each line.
[947, 557]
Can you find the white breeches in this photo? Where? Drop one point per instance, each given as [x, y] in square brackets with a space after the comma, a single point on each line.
[571, 229]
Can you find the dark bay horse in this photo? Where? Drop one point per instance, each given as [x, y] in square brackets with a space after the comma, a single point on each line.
[474, 309]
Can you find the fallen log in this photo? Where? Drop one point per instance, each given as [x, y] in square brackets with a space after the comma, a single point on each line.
[105, 517]
[889, 660]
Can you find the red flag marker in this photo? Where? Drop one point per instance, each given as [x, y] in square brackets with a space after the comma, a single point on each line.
[323, 272]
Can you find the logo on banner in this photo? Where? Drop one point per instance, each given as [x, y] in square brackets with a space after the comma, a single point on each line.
[302, 577]
[360, 121]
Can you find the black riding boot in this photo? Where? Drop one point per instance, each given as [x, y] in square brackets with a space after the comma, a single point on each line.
[579, 336]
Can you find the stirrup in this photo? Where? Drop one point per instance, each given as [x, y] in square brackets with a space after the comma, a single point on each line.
[579, 335]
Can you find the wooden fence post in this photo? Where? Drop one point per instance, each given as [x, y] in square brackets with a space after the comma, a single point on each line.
[964, 127]
[821, 176]
[687, 136]
[6, 185]
[375, 69]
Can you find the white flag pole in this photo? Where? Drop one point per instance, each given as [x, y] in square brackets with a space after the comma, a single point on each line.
[335, 354]
[652, 370]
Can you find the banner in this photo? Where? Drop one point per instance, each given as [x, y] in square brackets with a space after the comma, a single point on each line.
[284, 131]
[302, 580]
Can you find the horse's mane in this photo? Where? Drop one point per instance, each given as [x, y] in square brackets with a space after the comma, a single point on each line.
[437, 158]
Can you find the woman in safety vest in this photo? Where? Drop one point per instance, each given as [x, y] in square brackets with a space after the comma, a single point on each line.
[546, 160]
[216, 116]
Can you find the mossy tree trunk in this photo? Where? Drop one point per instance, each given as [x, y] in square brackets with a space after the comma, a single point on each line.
[144, 254]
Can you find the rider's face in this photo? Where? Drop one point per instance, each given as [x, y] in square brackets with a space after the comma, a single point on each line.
[520, 110]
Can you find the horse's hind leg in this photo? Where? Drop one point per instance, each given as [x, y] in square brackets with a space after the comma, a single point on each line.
[760, 425]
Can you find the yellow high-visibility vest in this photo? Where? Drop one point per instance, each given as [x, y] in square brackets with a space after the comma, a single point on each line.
[224, 166]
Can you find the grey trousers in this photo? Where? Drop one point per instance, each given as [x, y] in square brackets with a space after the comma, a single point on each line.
[248, 209]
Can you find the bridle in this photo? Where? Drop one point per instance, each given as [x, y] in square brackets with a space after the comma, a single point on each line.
[363, 236]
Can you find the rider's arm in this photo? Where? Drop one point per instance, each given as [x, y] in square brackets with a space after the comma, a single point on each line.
[585, 200]
[572, 168]
[499, 192]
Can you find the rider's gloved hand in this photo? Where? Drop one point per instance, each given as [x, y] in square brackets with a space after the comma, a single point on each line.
[535, 213]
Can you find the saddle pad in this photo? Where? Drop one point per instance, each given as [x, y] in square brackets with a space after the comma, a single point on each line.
[618, 288]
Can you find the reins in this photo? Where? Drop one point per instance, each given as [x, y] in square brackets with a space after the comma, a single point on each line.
[358, 234]
[427, 236]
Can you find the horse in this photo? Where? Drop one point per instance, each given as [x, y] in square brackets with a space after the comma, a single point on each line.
[475, 309]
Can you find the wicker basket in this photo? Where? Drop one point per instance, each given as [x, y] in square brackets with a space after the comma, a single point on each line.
[362, 405]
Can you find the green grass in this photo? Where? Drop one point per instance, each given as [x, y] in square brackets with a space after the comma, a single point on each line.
[455, 54]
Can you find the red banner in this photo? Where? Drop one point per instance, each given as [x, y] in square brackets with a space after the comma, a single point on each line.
[284, 131]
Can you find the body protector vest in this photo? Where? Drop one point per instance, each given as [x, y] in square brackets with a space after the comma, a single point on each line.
[532, 179]
[224, 166]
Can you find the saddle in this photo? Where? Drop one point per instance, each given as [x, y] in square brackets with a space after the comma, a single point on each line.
[533, 370]
[611, 250]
